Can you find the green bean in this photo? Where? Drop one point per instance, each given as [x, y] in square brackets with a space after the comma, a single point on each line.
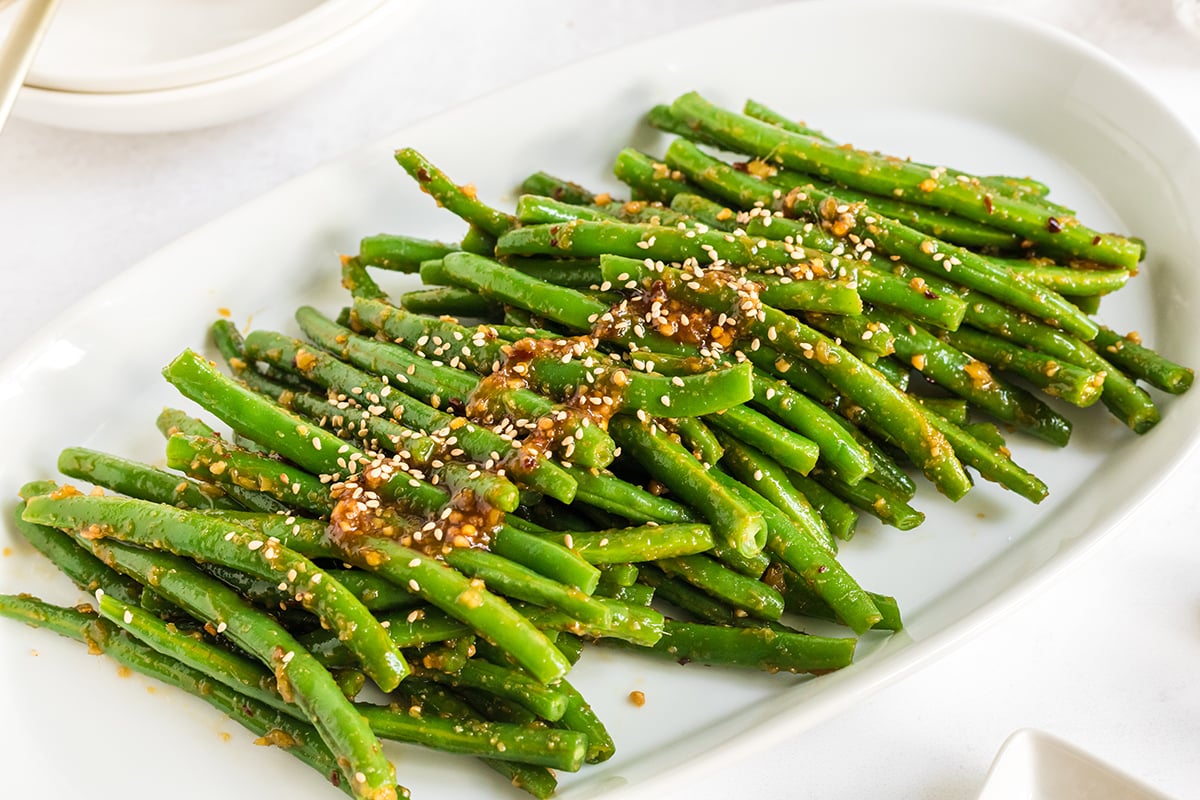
[400, 253]
[633, 624]
[407, 628]
[705, 211]
[815, 563]
[513, 580]
[876, 286]
[636, 595]
[696, 436]
[1120, 395]
[450, 301]
[739, 527]
[753, 597]
[616, 576]
[883, 175]
[646, 543]
[428, 380]
[461, 200]
[1068, 280]
[198, 536]
[544, 557]
[549, 704]
[261, 719]
[479, 349]
[896, 239]
[478, 241]
[1079, 386]
[836, 446]
[767, 477]
[839, 516]
[84, 569]
[648, 178]
[687, 598]
[1014, 187]
[357, 281]
[580, 717]
[925, 446]
[973, 380]
[545, 184]
[1128, 353]
[477, 442]
[761, 648]
[788, 448]
[538, 781]
[536, 210]
[216, 460]
[574, 273]
[314, 690]
[952, 409]
[552, 749]
[799, 598]
[137, 480]
[1089, 304]
[760, 111]
[877, 501]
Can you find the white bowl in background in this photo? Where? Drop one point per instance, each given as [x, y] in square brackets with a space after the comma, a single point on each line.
[1033, 765]
[222, 84]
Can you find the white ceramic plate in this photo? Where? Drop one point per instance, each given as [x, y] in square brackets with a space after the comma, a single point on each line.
[1062, 112]
[211, 87]
[1033, 765]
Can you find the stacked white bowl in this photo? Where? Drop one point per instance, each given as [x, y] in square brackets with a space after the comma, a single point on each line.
[138, 66]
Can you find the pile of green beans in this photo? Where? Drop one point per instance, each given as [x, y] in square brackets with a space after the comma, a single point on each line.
[645, 423]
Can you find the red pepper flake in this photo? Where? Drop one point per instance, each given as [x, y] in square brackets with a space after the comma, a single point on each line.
[1095, 240]
[987, 203]
[1053, 225]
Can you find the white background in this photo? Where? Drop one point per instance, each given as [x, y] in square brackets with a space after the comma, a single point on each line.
[1116, 675]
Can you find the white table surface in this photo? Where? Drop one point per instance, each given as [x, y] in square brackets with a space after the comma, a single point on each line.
[1120, 681]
